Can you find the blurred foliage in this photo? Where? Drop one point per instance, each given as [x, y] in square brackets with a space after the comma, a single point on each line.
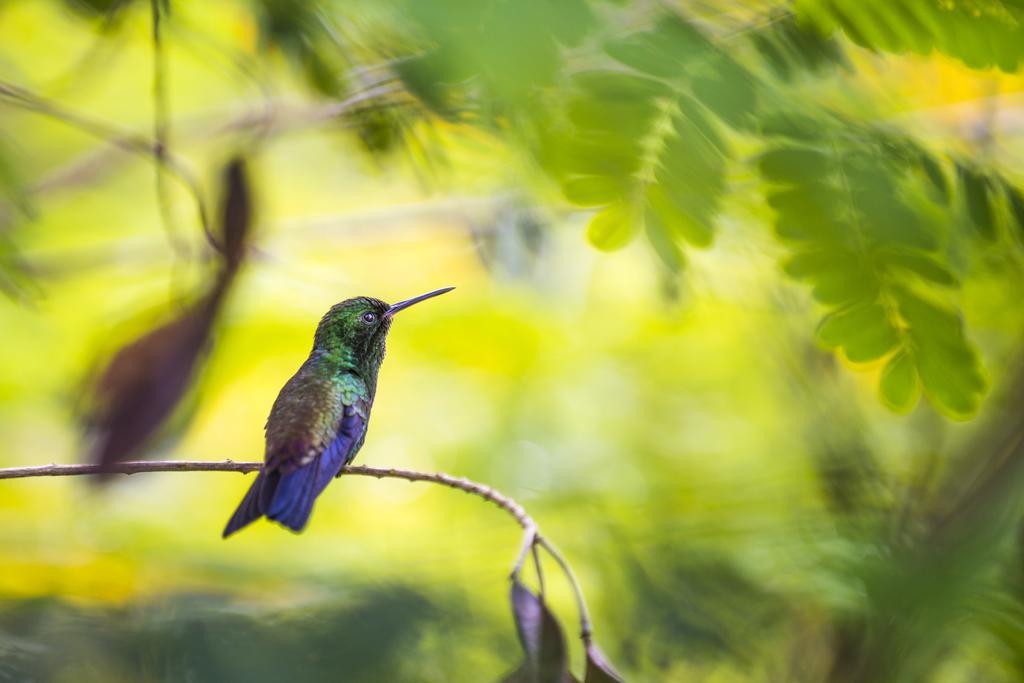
[502, 48]
[304, 34]
[647, 148]
[981, 34]
[793, 190]
[793, 48]
[208, 638]
[868, 252]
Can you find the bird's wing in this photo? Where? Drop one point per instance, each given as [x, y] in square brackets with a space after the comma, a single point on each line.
[316, 415]
[315, 428]
[288, 497]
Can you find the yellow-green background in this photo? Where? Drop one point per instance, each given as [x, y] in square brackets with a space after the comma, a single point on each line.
[665, 441]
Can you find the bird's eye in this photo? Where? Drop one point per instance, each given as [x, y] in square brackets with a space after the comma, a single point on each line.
[369, 318]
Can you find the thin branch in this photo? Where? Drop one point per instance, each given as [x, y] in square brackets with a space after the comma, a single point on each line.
[139, 466]
[586, 626]
[529, 542]
[274, 117]
[531, 537]
[162, 132]
[130, 467]
[135, 144]
[539, 569]
[281, 118]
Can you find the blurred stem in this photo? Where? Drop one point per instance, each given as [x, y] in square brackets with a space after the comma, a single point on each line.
[161, 132]
[86, 168]
[586, 630]
[531, 537]
[528, 544]
[136, 144]
[538, 568]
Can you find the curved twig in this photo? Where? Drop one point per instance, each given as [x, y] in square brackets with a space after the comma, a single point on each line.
[139, 466]
[539, 569]
[531, 536]
[528, 544]
[586, 626]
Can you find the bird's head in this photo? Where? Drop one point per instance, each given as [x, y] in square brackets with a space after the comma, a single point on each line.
[356, 328]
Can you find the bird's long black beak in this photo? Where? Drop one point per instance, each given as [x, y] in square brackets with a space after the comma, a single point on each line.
[395, 308]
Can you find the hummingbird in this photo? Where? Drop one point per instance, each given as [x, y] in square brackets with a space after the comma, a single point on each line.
[318, 421]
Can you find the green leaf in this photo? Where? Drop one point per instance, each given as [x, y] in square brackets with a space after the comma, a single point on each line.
[679, 219]
[794, 165]
[793, 48]
[947, 364]
[629, 117]
[665, 50]
[891, 222]
[922, 265]
[662, 242]
[810, 213]
[591, 190]
[618, 86]
[1015, 200]
[933, 172]
[860, 245]
[976, 188]
[898, 387]
[816, 263]
[652, 141]
[641, 53]
[613, 228]
[980, 34]
[724, 87]
[792, 126]
[850, 283]
[864, 331]
[885, 216]
[649, 157]
[604, 155]
[509, 49]
[691, 125]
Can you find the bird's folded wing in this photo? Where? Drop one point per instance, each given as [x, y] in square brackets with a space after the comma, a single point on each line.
[340, 452]
[314, 417]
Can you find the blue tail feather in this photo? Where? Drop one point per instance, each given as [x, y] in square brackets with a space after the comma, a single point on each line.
[293, 500]
[251, 507]
[288, 498]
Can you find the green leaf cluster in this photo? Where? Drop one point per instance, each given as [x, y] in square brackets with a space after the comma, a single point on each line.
[792, 48]
[980, 33]
[846, 209]
[506, 49]
[991, 202]
[646, 147]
